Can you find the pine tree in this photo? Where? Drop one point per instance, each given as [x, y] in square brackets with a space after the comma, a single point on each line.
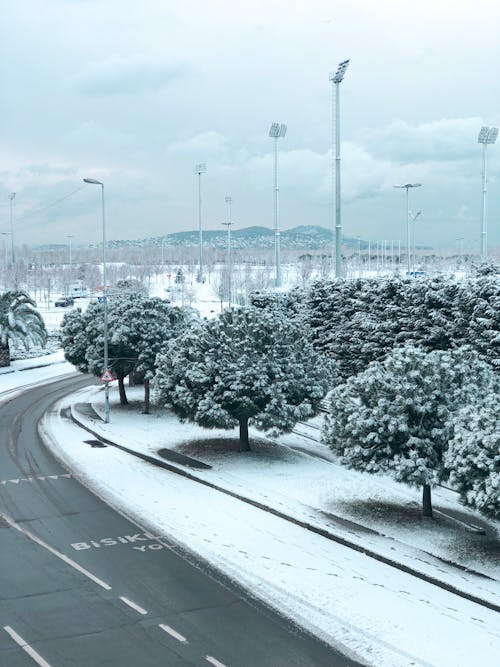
[473, 456]
[397, 416]
[246, 366]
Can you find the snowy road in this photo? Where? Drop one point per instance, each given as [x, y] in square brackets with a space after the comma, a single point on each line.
[68, 598]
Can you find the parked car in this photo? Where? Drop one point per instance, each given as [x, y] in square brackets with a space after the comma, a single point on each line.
[64, 302]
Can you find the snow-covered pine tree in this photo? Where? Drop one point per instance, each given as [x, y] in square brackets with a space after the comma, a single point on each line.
[248, 365]
[397, 416]
[473, 456]
[74, 338]
[153, 322]
[484, 325]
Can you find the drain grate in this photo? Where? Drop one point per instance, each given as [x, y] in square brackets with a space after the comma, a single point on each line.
[94, 443]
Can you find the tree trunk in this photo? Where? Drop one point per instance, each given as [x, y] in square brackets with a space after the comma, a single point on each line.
[121, 389]
[146, 396]
[426, 501]
[4, 355]
[244, 443]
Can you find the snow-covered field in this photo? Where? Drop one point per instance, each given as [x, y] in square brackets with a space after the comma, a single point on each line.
[380, 613]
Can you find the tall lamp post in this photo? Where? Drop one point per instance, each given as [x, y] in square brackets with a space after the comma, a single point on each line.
[12, 251]
[407, 186]
[487, 135]
[336, 78]
[228, 223]
[106, 372]
[276, 132]
[200, 169]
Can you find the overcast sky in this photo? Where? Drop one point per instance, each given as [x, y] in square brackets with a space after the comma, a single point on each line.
[136, 93]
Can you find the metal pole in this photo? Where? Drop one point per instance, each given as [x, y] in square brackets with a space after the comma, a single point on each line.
[277, 257]
[338, 224]
[408, 246]
[12, 252]
[200, 262]
[369, 256]
[229, 202]
[105, 297]
[483, 243]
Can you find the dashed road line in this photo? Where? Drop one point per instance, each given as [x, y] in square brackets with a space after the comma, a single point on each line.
[173, 633]
[214, 661]
[55, 552]
[135, 606]
[26, 647]
[34, 479]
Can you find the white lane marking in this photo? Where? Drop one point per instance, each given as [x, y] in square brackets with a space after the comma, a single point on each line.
[172, 632]
[133, 605]
[213, 661]
[33, 479]
[26, 647]
[53, 551]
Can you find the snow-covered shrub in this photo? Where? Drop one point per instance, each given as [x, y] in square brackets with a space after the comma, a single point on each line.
[473, 456]
[398, 415]
[247, 364]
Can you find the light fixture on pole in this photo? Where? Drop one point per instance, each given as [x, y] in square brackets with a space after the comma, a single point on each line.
[414, 218]
[12, 251]
[200, 169]
[106, 371]
[407, 186]
[228, 223]
[277, 131]
[487, 135]
[336, 78]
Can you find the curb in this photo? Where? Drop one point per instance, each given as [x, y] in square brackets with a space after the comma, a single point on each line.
[303, 524]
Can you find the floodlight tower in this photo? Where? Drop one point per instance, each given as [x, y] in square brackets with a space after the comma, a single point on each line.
[487, 135]
[12, 252]
[336, 78]
[200, 169]
[407, 186]
[276, 132]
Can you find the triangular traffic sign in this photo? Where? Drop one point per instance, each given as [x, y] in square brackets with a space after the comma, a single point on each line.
[106, 376]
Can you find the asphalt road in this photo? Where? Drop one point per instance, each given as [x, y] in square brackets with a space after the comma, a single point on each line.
[81, 586]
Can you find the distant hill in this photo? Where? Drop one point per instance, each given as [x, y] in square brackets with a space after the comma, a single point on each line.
[311, 237]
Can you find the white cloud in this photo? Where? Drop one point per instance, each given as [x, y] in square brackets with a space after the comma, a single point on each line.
[117, 75]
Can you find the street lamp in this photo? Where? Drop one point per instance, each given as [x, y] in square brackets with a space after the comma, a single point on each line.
[200, 169]
[276, 131]
[12, 253]
[414, 218]
[407, 186]
[93, 181]
[336, 78]
[487, 135]
[228, 223]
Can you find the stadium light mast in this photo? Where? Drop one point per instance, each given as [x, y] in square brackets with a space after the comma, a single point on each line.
[277, 131]
[200, 169]
[487, 135]
[407, 186]
[336, 79]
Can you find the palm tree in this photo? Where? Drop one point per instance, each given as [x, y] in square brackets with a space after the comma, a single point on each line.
[20, 322]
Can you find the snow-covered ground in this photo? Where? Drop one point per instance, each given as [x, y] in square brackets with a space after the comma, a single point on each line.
[380, 613]
[28, 372]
